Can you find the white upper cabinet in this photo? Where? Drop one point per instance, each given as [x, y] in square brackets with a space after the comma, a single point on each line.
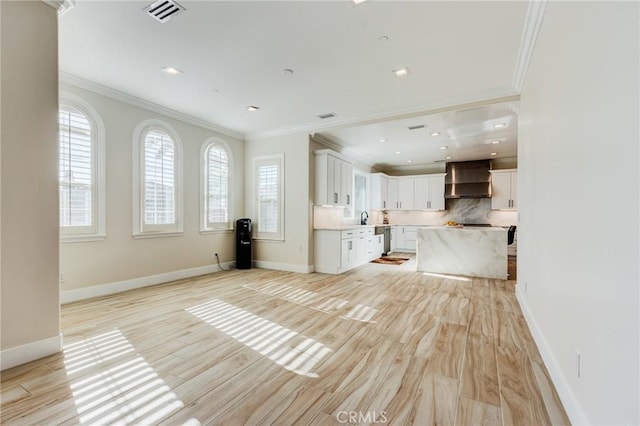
[504, 189]
[334, 179]
[393, 194]
[422, 192]
[379, 192]
[405, 193]
[429, 192]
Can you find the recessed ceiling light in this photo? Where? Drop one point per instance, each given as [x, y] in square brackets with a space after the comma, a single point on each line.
[401, 72]
[495, 142]
[327, 115]
[448, 158]
[383, 38]
[171, 70]
[444, 147]
[383, 140]
[358, 1]
[494, 154]
[397, 152]
[499, 126]
[409, 161]
[252, 108]
[435, 134]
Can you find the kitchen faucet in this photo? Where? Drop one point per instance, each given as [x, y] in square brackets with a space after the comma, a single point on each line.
[363, 217]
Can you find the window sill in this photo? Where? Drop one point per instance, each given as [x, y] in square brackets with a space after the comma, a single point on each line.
[65, 239]
[158, 235]
[269, 240]
[216, 231]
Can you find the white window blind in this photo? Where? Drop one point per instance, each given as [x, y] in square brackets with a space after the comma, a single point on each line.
[217, 187]
[76, 171]
[269, 183]
[159, 179]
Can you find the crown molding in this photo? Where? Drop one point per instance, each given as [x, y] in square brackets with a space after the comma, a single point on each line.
[91, 86]
[532, 24]
[507, 94]
[62, 6]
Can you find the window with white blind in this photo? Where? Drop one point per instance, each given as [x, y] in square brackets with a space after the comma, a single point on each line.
[80, 174]
[158, 182]
[269, 188]
[216, 187]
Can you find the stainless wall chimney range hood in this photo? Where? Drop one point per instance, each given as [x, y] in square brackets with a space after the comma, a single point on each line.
[468, 179]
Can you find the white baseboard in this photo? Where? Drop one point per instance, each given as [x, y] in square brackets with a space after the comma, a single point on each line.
[326, 270]
[68, 296]
[302, 269]
[30, 352]
[571, 404]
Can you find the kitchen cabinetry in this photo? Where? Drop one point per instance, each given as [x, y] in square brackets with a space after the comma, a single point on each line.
[379, 191]
[504, 189]
[429, 192]
[337, 251]
[406, 237]
[400, 193]
[334, 179]
[423, 192]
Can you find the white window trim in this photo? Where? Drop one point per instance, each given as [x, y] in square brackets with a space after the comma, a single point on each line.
[204, 225]
[98, 233]
[139, 230]
[273, 236]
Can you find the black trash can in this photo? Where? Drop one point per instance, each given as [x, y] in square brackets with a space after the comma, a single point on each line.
[243, 243]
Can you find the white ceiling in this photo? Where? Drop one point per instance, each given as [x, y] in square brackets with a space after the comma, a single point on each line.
[233, 53]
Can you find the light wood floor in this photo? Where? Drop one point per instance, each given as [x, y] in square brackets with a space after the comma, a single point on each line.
[380, 344]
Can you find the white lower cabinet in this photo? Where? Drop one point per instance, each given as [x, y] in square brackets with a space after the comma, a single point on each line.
[406, 237]
[338, 251]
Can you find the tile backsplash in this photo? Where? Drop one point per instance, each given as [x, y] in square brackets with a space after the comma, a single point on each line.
[464, 210]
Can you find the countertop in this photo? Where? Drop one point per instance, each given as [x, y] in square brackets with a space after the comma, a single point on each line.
[344, 227]
[350, 227]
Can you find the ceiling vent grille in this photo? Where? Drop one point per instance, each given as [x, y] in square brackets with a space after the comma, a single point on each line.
[163, 10]
[416, 127]
[328, 115]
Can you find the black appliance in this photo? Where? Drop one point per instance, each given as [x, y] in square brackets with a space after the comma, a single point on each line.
[243, 243]
[386, 231]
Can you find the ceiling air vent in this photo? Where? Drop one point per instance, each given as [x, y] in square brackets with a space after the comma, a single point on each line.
[416, 127]
[163, 10]
[328, 115]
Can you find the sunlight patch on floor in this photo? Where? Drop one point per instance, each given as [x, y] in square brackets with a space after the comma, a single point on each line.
[124, 391]
[285, 347]
[451, 277]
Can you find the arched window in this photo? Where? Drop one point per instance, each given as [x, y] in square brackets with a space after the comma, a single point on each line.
[80, 173]
[216, 191]
[158, 181]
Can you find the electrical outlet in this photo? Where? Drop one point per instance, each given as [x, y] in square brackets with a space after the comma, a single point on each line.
[215, 254]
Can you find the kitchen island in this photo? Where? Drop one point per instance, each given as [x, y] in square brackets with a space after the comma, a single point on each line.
[471, 251]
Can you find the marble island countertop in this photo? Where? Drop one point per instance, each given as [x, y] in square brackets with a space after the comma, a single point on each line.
[470, 251]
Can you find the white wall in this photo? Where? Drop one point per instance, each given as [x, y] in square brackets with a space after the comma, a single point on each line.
[578, 276]
[293, 253]
[29, 95]
[120, 257]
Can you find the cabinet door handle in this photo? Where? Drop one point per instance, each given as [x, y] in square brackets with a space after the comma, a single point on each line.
[348, 199]
[384, 204]
[429, 204]
[400, 204]
[335, 197]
